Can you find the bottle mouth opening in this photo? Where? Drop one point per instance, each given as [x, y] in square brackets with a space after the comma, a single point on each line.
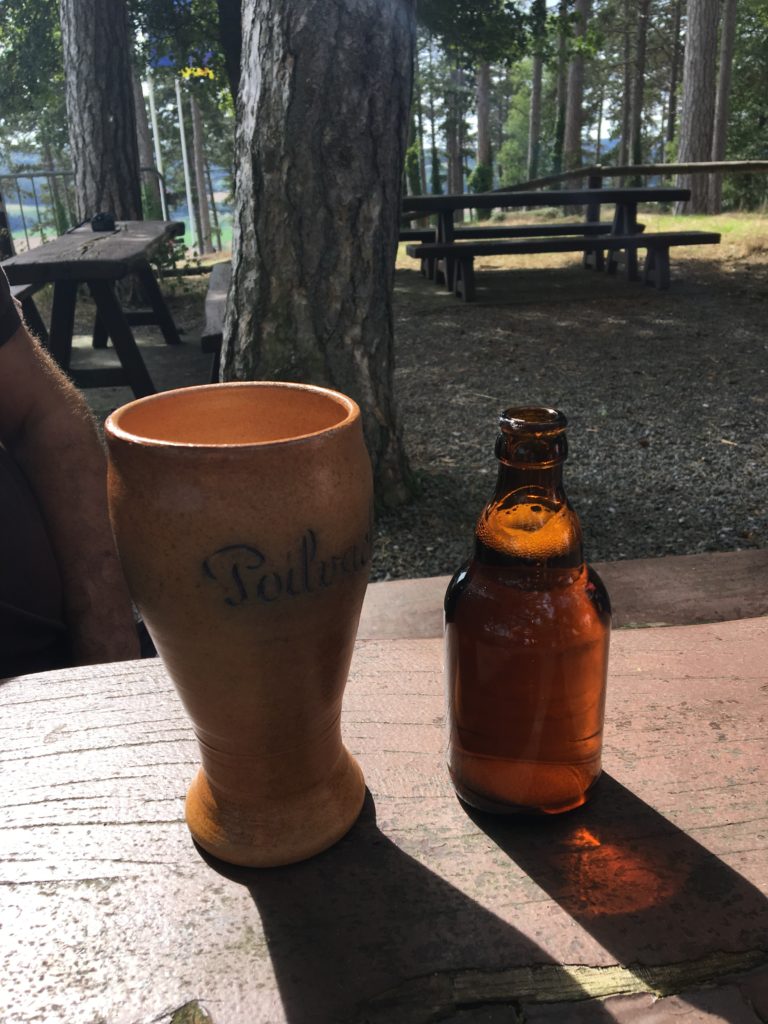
[532, 419]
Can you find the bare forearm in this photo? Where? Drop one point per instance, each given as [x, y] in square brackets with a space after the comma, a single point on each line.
[59, 451]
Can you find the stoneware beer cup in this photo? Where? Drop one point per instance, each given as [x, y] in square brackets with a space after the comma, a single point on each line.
[242, 514]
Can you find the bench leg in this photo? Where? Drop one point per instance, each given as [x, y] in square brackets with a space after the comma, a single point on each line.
[594, 259]
[656, 269]
[62, 322]
[111, 315]
[464, 279]
[156, 300]
[100, 336]
[630, 260]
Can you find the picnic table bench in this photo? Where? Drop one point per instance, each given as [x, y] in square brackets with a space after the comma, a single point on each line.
[656, 244]
[215, 311]
[446, 256]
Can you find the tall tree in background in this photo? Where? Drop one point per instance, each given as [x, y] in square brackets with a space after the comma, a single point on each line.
[698, 111]
[572, 154]
[538, 17]
[324, 101]
[638, 81]
[675, 60]
[100, 109]
[722, 101]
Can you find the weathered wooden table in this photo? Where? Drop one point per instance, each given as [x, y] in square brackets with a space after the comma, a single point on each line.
[100, 259]
[646, 906]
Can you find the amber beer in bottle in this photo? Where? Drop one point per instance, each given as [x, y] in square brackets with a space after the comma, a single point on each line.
[527, 625]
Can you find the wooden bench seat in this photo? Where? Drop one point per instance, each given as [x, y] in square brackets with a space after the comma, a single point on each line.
[509, 231]
[459, 256]
[215, 311]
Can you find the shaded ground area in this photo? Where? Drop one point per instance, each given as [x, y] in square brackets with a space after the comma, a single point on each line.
[665, 394]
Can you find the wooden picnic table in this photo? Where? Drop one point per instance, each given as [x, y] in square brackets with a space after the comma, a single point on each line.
[647, 905]
[100, 259]
[625, 201]
[447, 257]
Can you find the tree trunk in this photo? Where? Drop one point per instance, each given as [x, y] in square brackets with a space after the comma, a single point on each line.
[201, 185]
[453, 134]
[534, 118]
[574, 115]
[638, 78]
[674, 73]
[626, 91]
[100, 111]
[420, 127]
[562, 87]
[697, 115]
[150, 186]
[324, 99]
[722, 100]
[231, 39]
[599, 125]
[483, 115]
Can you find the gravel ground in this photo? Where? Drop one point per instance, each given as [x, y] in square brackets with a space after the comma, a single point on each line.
[665, 393]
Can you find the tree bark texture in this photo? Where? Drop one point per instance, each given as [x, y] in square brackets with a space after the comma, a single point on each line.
[698, 109]
[534, 117]
[100, 108]
[483, 114]
[323, 107]
[722, 101]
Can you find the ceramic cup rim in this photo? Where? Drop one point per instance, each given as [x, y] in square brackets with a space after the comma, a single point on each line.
[115, 432]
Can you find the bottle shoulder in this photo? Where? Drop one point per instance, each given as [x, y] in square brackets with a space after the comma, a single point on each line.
[508, 600]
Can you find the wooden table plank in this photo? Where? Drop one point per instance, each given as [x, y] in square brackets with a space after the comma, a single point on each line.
[109, 912]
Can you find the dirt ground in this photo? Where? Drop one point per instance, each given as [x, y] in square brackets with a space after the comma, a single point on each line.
[665, 393]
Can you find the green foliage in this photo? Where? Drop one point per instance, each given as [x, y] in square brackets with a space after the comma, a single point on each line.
[413, 169]
[748, 122]
[481, 178]
[32, 79]
[477, 30]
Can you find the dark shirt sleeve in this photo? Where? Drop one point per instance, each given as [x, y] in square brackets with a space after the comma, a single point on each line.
[10, 321]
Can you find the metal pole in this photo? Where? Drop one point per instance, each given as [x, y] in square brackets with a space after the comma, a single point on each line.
[185, 163]
[156, 142]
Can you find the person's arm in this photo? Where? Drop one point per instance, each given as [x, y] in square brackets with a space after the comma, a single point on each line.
[46, 426]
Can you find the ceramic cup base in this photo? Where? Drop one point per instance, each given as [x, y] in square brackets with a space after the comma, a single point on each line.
[270, 832]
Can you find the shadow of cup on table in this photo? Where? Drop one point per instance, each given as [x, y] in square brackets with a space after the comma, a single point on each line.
[364, 932]
[649, 893]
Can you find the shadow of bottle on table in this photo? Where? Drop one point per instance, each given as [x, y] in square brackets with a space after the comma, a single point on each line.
[649, 893]
[365, 934]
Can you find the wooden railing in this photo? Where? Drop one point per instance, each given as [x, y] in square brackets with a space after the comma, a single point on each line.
[596, 172]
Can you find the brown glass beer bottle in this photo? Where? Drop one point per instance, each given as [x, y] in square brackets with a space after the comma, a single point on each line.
[527, 625]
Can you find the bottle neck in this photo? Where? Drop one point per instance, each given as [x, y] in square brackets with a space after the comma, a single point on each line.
[546, 478]
[529, 523]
